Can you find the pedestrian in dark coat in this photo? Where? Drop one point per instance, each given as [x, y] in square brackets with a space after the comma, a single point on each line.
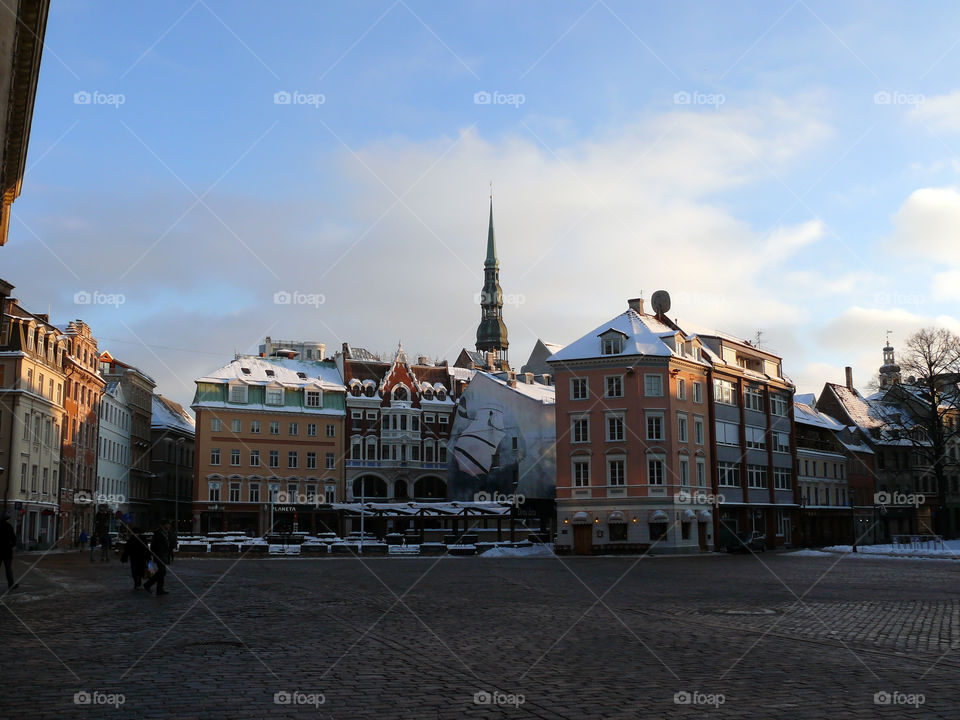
[161, 550]
[105, 547]
[8, 541]
[137, 553]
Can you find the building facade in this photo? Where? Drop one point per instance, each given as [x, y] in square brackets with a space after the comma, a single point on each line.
[31, 416]
[113, 465]
[399, 417]
[269, 446]
[80, 504]
[138, 391]
[633, 439]
[172, 434]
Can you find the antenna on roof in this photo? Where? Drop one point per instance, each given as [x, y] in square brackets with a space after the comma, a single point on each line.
[758, 338]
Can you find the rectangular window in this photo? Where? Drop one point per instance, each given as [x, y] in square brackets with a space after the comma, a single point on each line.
[778, 404]
[292, 459]
[311, 461]
[698, 429]
[724, 392]
[781, 478]
[581, 429]
[216, 425]
[654, 426]
[331, 431]
[728, 474]
[781, 442]
[756, 438]
[611, 346]
[274, 396]
[653, 385]
[727, 433]
[655, 470]
[312, 429]
[698, 392]
[274, 427]
[235, 426]
[372, 415]
[683, 470]
[756, 476]
[581, 473]
[614, 386]
[214, 456]
[356, 414]
[579, 389]
[753, 399]
[616, 471]
[254, 458]
[294, 429]
[313, 398]
[328, 461]
[255, 427]
[681, 389]
[254, 492]
[701, 472]
[234, 457]
[443, 418]
[614, 428]
[682, 428]
[274, 458]
[214, 492]
[234, 492]
[238, 393]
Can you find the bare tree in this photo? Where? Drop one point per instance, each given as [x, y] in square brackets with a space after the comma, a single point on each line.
[928, 391]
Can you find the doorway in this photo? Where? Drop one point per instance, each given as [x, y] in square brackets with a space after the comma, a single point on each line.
[582, 539]
[702, 535]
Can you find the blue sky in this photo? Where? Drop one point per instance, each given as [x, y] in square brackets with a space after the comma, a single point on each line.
[806, 190]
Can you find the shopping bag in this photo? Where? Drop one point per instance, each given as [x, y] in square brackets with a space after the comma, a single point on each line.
[151, 569]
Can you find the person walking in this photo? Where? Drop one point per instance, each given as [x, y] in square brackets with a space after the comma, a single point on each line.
[137, 552]
[93, 544]
[83, 540]
[105, 547]
[8, 541]
[161, 550]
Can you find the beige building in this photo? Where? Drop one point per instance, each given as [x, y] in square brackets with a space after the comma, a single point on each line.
[31, 416]
[269, 446]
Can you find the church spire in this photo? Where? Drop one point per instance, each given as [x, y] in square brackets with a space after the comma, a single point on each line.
[491, 260]
[492, 332]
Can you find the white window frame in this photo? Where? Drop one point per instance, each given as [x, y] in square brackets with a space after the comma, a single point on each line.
[683, 427]
[753, 399]
[237, 390]
[757, 477]
[655, 415]
[649, 381]
[755, 437]
[656, 461]
[723, 430]
[782, 479]
[574, 435]
[618, 383]
[273, 396]
[576, 385]
[622, 427]
[314, 399]
[681, 389]
[698, 393]
[216, 425]
[620, 460]
[683, 470]
[701, 472]
[580, 480]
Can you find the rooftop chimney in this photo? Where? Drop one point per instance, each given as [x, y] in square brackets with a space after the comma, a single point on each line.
[849, 373]
[636, 304]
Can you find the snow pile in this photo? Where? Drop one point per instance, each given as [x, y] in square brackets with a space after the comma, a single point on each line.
[950, 549]
[810, 553]
[508, 552]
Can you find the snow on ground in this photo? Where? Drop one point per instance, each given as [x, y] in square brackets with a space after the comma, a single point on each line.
[507, 552]
[950, 549]
[810, 553]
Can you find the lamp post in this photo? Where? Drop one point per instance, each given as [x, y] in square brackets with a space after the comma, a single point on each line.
[176, 485]
[363, 503]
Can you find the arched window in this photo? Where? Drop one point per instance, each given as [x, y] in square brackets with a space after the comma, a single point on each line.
[400, 393]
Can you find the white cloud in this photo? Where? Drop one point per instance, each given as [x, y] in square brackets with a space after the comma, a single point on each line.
[928, 223]
[941, 112]
[946, 285]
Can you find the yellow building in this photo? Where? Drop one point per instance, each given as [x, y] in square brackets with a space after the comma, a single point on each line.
[31, 416]
[269, 446]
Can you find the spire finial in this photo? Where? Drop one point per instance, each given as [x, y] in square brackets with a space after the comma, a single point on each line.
[888, 337]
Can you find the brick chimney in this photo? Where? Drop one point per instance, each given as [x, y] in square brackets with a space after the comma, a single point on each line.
[849, 377]
[636, 304]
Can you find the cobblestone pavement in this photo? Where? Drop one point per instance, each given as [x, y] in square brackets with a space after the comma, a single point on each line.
[771, 636]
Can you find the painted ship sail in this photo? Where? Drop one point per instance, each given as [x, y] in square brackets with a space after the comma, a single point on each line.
[476, 446]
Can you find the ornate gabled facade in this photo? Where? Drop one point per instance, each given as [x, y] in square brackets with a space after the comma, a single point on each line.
[398, 420]
[492, 331]
[80, 503]
[31, 414]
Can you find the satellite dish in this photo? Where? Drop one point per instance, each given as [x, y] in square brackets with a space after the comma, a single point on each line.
[660, 302]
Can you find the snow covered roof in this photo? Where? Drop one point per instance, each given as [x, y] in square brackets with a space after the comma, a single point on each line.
[546, 394]
[553, 347]
[287, 372]
[808, 415]
[643, 335]
[169, 415]
[856, 406]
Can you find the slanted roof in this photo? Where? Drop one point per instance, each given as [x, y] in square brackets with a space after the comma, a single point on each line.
[643, 335]
[806, 414]
[170, 415]
[285, 371]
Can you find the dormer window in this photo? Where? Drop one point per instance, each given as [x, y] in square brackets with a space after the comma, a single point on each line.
[271, 373]
[274, 396]
[245, 371]
[400, 393]
[302, 375]
[238, 393]
[441, 394]
[611, 342]
[314, 398]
